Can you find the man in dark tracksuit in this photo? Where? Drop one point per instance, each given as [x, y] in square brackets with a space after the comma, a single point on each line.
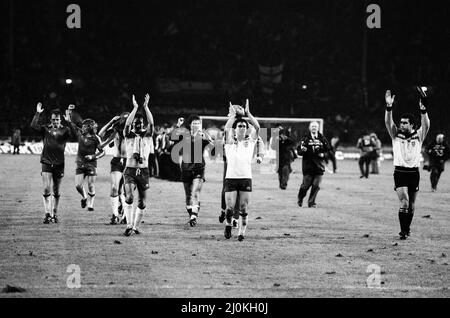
[366, 145]
[313, 148]
[285, 146]
[438, 152]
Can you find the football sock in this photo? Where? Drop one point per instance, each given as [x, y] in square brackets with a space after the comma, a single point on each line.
[402, 217]
[410, 218]
[55, 203]
[229, 216]
[138, 218]
[128, 210]
[91, 199]
[81, 191]
[47, 203]
[195, 209]
[115, 205]
[243, 223]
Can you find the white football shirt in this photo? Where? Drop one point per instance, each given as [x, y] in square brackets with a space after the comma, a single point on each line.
[239, 159]
[407, 149]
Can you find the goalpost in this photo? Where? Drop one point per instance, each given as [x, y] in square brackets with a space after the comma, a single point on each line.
[274, 120]
[298, 127]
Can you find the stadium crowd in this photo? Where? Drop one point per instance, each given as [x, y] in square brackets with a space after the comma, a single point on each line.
[318, 47]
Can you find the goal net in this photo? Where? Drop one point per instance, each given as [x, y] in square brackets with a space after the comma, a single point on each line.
[297, 127]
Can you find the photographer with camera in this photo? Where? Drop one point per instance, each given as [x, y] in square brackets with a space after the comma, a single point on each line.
[138, 140]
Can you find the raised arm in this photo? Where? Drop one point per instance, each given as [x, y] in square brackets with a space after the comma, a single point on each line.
[130, 118]
[425, 120]
[108, 126]
[149, 115]
[74, 129]
[108, 140]
[388, 120]
[229, 131]
[35, 123]
[252, 119]
[207, 137]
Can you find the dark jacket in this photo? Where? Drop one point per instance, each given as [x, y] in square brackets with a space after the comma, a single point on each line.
[438, 154]
[313, 162]
[366, 145]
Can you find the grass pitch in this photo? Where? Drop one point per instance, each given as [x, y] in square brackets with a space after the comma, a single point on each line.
[289, 251]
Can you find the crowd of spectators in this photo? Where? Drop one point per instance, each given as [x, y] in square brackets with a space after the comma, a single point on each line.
[123, 49]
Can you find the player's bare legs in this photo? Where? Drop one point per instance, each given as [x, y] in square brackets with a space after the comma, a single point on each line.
[140, 210]
[188, 187]
[411, 207]
[230, 199]
[79, 178]
[116, 176]
[196, 189]
[403, 197]
[128, 209]
[47, 179]
[244, 198]
[56, 196]
[91, 192]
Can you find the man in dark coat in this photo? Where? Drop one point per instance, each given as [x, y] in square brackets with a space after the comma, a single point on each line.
[313, 148]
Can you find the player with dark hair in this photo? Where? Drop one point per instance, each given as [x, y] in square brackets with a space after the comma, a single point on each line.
[116, 140]
[438, 152]
[313, 148]
[239, 148]
[407, 145]
[193, 141]
[55, 137]
[136, 175]
[239, 110]
[88, 144]
[366, 146]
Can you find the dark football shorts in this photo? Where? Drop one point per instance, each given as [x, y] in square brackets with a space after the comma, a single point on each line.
[404, 177]
[118, 164]
[243, 185]
[56, 170]
[138, 176]
[88, 169]
[187, 176]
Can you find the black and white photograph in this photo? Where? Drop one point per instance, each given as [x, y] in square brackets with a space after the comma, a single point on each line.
[224, 154]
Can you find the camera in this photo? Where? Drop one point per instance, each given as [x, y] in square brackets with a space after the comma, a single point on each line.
[138, 158]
